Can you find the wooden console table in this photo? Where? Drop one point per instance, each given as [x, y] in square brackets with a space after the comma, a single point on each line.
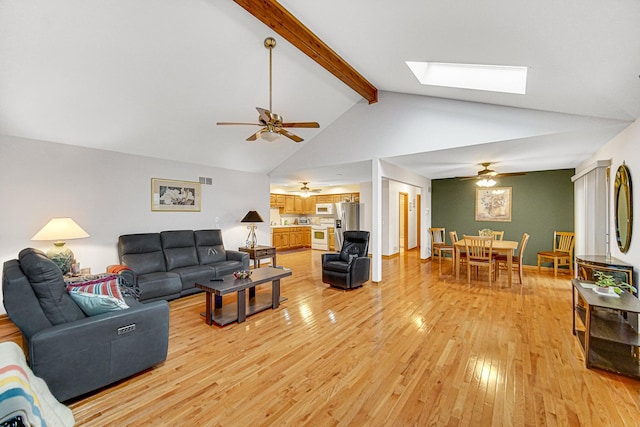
[607, 329]
[259, 252]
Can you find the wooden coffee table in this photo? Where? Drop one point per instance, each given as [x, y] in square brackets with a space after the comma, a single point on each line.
[225, 314]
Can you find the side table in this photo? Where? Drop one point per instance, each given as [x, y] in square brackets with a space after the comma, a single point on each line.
[259, 252]
[607, 329]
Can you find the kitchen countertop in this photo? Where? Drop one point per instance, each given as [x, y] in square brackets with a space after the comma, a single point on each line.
[291, 225]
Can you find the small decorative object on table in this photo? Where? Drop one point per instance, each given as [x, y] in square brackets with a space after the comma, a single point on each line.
[606, 281]
[242, 274]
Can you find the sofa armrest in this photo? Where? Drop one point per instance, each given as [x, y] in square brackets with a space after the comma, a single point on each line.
[127, 274]
[78, 357]
[238, 256]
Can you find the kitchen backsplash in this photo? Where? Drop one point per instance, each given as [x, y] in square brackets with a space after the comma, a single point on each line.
[276, 218]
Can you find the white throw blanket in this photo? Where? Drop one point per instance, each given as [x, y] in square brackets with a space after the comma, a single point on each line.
[24, 394]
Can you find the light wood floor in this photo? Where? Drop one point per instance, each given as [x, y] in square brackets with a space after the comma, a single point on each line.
[417, 348]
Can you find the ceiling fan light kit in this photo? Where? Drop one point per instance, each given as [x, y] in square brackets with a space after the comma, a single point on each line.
[305, 191]
[485, 177]
[486, 183]
[273, 124]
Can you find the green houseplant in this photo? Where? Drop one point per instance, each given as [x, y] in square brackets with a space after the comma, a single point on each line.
[606, 281]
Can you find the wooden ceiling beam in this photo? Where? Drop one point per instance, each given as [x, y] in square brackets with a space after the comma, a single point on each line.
[272, 14]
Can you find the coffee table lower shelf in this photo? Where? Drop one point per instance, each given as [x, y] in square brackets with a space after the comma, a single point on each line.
[228, 313]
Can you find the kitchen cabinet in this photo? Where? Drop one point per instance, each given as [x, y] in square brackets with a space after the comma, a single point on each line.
[306, 237]
[277, 200]
[332, 238]
[297, 204]
[309, 205]
[291, 237]
[289, 205]
[324, 198]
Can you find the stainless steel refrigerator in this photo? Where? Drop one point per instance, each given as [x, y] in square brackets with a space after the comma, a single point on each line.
[347, 219]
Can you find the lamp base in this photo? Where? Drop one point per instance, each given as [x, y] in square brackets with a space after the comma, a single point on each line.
[252, 239]
[61, 256]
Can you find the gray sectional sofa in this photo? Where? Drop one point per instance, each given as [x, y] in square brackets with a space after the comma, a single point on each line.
[167, 265]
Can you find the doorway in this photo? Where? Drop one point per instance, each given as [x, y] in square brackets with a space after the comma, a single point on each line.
[403, 218]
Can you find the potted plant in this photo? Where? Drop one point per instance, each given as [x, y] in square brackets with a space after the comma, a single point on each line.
[606, 281]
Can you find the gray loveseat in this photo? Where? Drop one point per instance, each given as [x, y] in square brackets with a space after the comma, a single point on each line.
[75, 354]
[168, 264]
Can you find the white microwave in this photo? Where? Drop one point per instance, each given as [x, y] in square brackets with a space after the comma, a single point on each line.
[324, 208]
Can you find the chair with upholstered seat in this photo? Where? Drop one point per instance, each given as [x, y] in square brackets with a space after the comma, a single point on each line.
[516, 261]
[439, 244]
[480, 254]
[562, 253]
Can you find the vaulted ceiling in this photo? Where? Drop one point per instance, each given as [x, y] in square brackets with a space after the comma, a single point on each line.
[152, 77]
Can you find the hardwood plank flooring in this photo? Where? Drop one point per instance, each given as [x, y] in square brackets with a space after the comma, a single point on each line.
[417, 348]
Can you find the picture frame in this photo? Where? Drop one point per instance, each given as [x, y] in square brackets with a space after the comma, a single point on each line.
[493, 204]
[168, 195]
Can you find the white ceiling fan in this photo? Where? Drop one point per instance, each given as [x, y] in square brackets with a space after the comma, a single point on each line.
[272, 123]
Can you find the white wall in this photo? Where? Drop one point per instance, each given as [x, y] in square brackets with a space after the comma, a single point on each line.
[623, 148]
[108, 194]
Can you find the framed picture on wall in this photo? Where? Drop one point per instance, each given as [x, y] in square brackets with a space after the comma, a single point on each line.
[175, 196]
[493, 204]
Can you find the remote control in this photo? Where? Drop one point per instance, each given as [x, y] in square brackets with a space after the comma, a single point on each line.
[217, 279]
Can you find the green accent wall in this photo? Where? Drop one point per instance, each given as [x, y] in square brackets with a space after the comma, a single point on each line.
[542, 202]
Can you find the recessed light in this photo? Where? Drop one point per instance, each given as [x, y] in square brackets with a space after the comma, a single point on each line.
[494, 78]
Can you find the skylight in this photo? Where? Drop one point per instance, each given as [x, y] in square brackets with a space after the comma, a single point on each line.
[495, 78]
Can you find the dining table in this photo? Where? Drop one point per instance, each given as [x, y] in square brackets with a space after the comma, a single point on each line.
[506, 247]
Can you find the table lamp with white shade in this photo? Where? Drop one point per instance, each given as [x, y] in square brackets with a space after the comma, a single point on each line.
[59, 230]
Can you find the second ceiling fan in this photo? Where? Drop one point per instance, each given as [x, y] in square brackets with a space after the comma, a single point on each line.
[487, 173]
[273, 124]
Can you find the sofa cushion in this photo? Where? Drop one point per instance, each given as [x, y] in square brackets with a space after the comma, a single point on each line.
[209, 246]
[142, 252]
[337, 266]
[195, 273]
[179, 249]
[48, 285]
[98, 296]
[161, 285]
[227, 267]
[94, 304]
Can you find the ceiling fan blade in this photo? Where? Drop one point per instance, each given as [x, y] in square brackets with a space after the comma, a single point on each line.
[301, 125]
[511, 174]
[239, 123]
[289, 135]
[265, 115]
[255, 135]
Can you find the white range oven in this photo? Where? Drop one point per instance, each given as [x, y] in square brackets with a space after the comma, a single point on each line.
[320, 234]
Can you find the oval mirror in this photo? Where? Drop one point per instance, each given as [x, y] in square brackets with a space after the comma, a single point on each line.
[623, 207]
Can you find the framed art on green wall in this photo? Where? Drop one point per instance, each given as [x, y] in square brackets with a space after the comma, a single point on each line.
[493, 204]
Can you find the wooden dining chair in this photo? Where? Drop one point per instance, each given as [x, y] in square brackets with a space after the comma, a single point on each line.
[516, 261]
[497, 235]
[562, 253]
[439, 244]
[480, 254]
[453, 235]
